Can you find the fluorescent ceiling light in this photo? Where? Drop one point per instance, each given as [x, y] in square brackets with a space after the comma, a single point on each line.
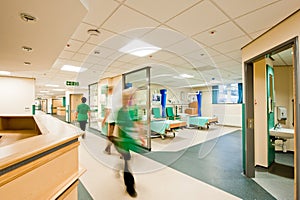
[71, 68]
[139, 48]
[186, 76]
[183, 76]
[51, 85]
[4, 73]
[195, 85]
[58, 89]
[44, 91]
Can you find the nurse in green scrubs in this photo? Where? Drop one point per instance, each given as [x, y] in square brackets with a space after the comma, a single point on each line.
[83, 114]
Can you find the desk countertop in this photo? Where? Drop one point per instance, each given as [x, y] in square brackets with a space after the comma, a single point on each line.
[54, 133]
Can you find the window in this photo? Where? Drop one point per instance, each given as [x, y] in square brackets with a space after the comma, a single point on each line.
[230, 93]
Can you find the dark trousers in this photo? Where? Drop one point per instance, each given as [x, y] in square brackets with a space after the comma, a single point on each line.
[110, 133]
[128, 176]
[82, 125]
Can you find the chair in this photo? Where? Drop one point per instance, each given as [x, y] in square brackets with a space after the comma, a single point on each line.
[156, 112]
[170, 114]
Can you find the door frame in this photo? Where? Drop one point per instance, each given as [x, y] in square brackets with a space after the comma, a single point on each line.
[249, 109]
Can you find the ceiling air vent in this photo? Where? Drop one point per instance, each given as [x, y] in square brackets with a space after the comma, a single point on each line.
[27, 49]
[27, 17]
[93, 32]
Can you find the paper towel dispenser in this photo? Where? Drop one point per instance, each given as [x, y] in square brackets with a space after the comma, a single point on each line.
[281, 113]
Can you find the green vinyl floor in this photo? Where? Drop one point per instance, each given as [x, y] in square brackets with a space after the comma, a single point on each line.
[221, 166]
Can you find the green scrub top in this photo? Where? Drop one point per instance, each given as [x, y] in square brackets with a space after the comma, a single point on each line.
[126, 129]
[82, 110]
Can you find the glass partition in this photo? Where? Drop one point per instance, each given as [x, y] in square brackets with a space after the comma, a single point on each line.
[140, 80]
[93, 103]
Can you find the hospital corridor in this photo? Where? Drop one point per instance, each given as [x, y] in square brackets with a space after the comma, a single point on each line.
[149, 100]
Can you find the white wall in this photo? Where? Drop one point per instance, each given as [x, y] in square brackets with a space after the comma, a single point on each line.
[228, 114]
[17, 95]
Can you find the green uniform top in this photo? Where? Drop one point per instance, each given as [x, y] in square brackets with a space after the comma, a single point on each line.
[82, 110]
[127, 131]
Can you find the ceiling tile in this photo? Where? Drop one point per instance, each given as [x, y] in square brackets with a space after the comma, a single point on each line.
[260, 20]
[66, 54]
[136, 32]
[221, 33]
[162, 37]
[198, 55]
[228, 64]
[99, 11]
[102, 37]
[205, 16]
[115, 42]
[73, 45]
[237, 55]
[220, 59]
[256, 34]
[235, 8]
[126, 19]
[87, 48]
[158, 10]
[81, 33]
[186, 46]
[126, 57]
[79, 57]
[101, 52]
[162, 55]
[232, 45]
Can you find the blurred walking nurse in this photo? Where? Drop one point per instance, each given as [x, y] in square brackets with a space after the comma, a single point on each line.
[128, 139]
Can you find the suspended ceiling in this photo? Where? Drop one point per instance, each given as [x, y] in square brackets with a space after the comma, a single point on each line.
[201, 38]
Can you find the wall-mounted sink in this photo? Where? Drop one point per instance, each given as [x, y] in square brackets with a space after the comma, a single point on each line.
[283, 133]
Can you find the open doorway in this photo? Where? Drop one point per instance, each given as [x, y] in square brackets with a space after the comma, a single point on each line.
[282, 135]
[270, 112]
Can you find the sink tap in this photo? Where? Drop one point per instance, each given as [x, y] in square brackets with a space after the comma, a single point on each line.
[277, 126]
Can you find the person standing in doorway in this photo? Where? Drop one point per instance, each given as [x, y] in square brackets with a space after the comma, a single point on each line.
[83, 112]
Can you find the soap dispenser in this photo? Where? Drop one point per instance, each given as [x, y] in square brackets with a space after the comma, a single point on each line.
[281, 113]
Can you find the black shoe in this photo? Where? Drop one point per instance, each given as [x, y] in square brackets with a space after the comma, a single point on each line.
[107, 152]
[131, 192]
[83, 136]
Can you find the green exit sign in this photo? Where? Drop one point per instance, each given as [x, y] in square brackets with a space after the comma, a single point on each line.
[72, 83]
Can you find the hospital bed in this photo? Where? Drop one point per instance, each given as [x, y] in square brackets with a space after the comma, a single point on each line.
[162, 127]
[200, 122]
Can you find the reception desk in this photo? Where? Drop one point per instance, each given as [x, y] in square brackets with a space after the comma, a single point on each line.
[44, 163]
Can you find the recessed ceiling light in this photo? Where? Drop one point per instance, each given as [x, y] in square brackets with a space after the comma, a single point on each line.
[139, 48]
[186, 76]
[27, 17]
[51, 85]
[71, 68]
[5, 73]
